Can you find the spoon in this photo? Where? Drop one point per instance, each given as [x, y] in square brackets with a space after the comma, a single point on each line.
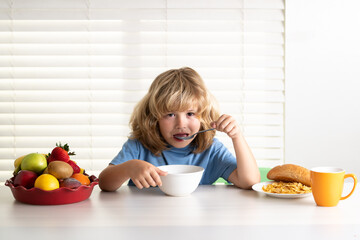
[191, 136]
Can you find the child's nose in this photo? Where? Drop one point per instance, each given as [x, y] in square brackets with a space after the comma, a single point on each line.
[180, 121]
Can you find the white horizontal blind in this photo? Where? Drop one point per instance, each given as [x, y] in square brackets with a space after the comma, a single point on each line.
[72, 71]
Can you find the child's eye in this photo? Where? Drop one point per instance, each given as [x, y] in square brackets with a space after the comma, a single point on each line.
[170, 114]
[190, 114]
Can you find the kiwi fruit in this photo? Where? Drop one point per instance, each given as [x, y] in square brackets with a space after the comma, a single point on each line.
[60, 169]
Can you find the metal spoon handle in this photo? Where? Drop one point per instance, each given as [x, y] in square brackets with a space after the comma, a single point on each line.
[206, 130]
[190, 137]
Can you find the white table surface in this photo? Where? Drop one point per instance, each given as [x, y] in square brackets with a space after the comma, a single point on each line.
[211, 212]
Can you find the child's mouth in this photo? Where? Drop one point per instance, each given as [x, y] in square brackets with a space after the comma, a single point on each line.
[180, 135]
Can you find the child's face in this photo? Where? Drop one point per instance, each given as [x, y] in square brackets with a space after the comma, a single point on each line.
[179, 124]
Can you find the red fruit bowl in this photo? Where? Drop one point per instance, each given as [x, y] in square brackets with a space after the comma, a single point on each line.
[58, 196]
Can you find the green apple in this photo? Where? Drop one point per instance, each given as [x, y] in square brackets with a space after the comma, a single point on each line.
[35, 162]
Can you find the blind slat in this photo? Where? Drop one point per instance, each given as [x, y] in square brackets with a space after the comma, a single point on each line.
[75, 4]
[113, 119]
[143, 50]
[267, 24]
[126, 96]
[102, 84]
[133, 73]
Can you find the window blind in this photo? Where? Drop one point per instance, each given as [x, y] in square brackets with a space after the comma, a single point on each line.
[72, 71]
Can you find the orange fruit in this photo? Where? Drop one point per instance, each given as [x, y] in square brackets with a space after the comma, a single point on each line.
[46, 182]
[81, 178]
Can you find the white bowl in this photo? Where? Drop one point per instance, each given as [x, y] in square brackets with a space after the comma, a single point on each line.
[181, 180]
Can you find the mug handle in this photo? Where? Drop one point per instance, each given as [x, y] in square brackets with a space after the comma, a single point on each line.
[355, 182]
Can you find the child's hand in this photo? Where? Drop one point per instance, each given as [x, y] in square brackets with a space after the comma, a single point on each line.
[228, 125]
[144, 174]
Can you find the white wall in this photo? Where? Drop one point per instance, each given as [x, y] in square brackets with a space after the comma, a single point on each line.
[322, 125]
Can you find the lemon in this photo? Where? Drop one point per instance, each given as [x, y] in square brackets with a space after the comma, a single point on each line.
[46, 182]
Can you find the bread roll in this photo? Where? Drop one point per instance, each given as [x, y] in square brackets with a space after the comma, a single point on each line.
[290, 173]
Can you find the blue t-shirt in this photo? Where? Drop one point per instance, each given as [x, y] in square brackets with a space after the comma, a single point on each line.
[217, 160]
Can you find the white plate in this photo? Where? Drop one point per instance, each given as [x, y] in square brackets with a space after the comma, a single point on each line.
[258, 187]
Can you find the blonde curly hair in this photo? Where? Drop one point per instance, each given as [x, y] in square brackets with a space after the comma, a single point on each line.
[173, 90]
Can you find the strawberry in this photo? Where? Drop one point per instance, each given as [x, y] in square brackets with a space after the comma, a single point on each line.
[75, 167]
[60, 153]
